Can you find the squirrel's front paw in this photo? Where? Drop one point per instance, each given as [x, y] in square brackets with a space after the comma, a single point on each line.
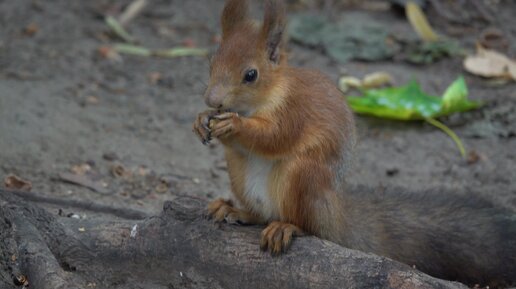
[201, 125]
[225, 125]
[222, 210]
[278, 236]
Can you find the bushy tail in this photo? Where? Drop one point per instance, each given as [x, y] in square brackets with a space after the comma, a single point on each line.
[452, 236]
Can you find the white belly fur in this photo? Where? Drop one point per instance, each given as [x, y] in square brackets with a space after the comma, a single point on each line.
[256, 186]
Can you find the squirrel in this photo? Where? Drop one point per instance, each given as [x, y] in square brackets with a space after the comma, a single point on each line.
[288, 137]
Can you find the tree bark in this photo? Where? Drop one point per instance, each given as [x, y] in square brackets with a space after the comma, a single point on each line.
[178, 249]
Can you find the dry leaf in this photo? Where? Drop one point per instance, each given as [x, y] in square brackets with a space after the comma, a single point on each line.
[143, 171]
[491, 64]
[119, 171]
[81, 169]
[473, 157]
[371, 80]
[92, 99]
[104, 51]
[31, 29]
[189, 42]
[17, 183]
[347, 82]
[376, 79]
[109, 53]
[162, 187]
[21, 280]
[492, 38]
[154, 77]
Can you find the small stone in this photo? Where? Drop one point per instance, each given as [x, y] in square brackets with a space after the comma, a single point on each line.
[392, 172]
[92, 99]
[110, 156]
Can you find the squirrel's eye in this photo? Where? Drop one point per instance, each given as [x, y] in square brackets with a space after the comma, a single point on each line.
[250, 75]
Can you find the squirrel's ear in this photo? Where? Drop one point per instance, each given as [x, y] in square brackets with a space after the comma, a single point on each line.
[235, 12]
[273, 28]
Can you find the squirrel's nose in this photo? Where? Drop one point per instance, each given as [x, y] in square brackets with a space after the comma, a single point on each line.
[210, 101]
[215, 96]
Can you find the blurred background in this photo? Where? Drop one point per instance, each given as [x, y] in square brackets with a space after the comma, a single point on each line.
[97, 98]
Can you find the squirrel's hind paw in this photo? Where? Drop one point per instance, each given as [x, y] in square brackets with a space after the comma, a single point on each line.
[277, 237]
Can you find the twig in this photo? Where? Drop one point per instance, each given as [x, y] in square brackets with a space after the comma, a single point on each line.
[132, 49]
[89, 206]
[132, 11]
[181, 51]
[168, 53]
[84, 182]
[119, 30]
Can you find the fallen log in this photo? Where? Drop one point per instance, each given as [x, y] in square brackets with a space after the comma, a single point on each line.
[178, 249]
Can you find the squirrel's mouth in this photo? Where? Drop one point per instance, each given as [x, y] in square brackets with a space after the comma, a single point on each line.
[241, 112]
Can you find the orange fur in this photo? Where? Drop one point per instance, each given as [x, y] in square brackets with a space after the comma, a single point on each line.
[293, 128]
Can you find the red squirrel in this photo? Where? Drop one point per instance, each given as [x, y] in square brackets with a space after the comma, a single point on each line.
[288, 137]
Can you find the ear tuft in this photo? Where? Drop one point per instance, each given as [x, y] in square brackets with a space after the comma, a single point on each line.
[235, 12]
[273, 28]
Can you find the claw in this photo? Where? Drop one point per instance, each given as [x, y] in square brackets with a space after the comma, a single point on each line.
[206, 126]
[277, 237]
[206, 141]
[222, 210]
[202, 128]
[225, 115]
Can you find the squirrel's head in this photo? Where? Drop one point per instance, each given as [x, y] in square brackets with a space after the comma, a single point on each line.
[248, 62]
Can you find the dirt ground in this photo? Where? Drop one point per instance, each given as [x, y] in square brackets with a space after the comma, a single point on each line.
[63, 105]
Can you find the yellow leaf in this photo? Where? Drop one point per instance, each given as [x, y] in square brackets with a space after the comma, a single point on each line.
[419, 22]
[377, 79]
[347, 82]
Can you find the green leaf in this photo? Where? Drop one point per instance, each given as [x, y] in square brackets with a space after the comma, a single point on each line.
[409, 102]
[401, 103]
[455, 98]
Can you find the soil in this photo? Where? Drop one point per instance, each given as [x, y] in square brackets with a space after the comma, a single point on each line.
[127, 123]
